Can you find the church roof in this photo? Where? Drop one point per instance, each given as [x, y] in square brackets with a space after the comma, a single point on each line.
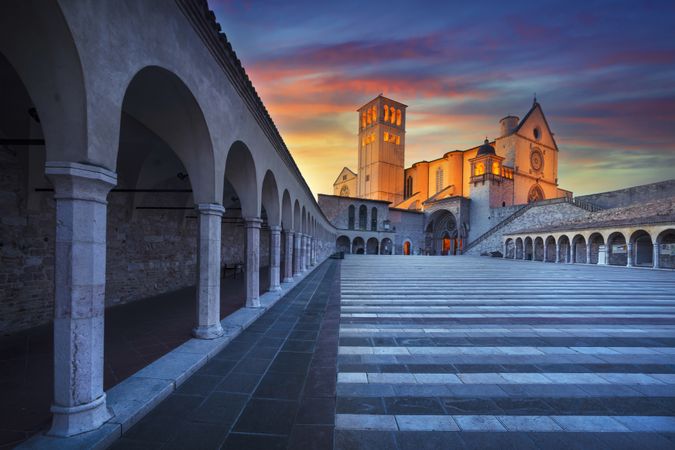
[535, 106]
[344, 169]
[486, 149]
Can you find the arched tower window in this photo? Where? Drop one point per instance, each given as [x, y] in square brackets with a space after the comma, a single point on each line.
[386, 113]
[392, 114]
[408, 187]
[398, 117]
[439, 179]
[373, 219]
[363, 120]
[351, 216]
[363, 217]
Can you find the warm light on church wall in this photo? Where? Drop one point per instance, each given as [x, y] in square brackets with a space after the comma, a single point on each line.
[495, 168]
[479, 169]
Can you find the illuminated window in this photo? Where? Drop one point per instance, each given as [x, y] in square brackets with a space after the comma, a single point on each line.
[439, 180]
[480, 169]
[392, 114]
[386, 137]
[374, 109]
[398, 117]
[363, 120]
[398, 140]
[386, 113]
[495, 168]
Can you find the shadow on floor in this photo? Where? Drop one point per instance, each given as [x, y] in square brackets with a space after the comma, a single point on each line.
[136, 334]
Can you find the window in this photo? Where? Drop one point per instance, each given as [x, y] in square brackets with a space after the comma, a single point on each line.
[367, 177]
[408, 187]
[386, 137]
[392, 114]
[344, 177]
[351, 217]
[373, 219]
[363, 217]
[386, 113]
[537, 133]
[398, 140]
[495, 168]
[398, 117]
[439, 180]
[479, 169]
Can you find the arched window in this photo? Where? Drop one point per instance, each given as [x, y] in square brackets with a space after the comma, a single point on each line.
[374, 110]
[363, 217]
[479, 169]
[398, 117]
[373, 219]
[439, 179]
[392, 114]
[495, 168]
[363, 120]
[408, 187]
[352, 210]
[386, 113]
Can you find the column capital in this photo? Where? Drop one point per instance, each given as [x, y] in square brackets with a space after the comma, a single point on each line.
[289, 232]
[79, 181]
[213, 209]
[252, 222]
[275, 228]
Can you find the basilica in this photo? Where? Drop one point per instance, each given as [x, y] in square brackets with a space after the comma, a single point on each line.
[447, 202]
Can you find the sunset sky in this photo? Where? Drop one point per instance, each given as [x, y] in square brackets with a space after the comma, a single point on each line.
[604, 73]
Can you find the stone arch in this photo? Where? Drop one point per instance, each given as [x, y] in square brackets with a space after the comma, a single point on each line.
[595, 241]
[304, 220]
[528, 249]
[372, 246]
[564, 247]
[666, 249]
[162, 103]
[535, 194]
[297, 217]
[240, 172]
[343, 244]
[363, 217]
[442, 235]
[549, 249]
[358, 246]
[386, 247]
[642, 249]
[579, 249]
[617, 249]
[509, 246]
[519, 248]
[286, 211]
[539, 254]
[270, 199]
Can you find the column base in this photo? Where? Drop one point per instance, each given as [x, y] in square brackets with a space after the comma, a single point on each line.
[288, 280]
[71, 420]
[253, 303]
[274, 289]
[208, 332]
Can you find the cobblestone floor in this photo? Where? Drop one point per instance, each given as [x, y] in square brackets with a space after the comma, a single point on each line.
[272, 387]
[476, 352]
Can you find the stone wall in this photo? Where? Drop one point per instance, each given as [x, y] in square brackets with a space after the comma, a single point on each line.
[631, 195]
[538, 216]
[409, 225]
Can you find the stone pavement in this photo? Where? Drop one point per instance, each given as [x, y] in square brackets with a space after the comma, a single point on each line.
[477, 352]
[272, 387]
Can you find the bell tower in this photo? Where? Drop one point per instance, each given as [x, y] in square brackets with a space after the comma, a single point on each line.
[381, 150]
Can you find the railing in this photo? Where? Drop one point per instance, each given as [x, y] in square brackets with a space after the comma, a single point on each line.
[583, 205]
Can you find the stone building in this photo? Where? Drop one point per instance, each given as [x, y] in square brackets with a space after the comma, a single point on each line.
[468, 201]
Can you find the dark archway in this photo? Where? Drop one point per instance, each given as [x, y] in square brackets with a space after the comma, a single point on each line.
[372, 246]
[519, 248]
[343, 244]
[386, 247]
[595, 240]
[528, 249]
[579, 249]
[642, 249]
[539, 249]
[510, 248]
[666, 249]
[358, 246]
[564, 249]
[617, 250]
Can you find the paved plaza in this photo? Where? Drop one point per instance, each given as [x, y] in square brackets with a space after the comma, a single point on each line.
[478, 352]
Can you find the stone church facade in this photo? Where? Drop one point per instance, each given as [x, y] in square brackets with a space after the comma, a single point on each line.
[465, 201]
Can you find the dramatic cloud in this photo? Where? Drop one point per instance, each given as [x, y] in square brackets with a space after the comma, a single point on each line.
[604, 74]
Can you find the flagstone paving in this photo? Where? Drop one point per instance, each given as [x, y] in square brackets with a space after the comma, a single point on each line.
[476, 352]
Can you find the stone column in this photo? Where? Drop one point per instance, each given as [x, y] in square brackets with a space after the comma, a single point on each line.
[655, 257]
[314, 250]
[504, 255]
[629, 254]
[588, 252]
[80, 191]
[557, 252]
[208, 272]
[303, 253]
[252, 225]
[288, 256]
[275, 257]
[297, 255]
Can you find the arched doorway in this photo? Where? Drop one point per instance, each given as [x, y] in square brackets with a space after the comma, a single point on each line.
[564, 248]
[666, 249]
[510, 249]
[529, 249]
[372, 246]
[539, 249]
[643, 250]
[549, 249]
[342, 244]
[579, 249]
[386, 247]
[617, 250]
[407, 248]
[519, 248]
[595, 240]
[358, 246]
[441, 234]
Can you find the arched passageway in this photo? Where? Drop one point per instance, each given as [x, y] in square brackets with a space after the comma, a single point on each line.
[441, 234]
[343, 244]
[595, 241]
[372, 246]
[564, 249]
[641, 249]
[358, 246]
[579, 251]
[528, 249]
[510, 249]
[549, 249]
[666, 249]
[617, 250]
[539, 249]
[519, 248]
[386, 247]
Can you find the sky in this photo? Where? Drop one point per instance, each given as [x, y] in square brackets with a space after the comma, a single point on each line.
[603, 72]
